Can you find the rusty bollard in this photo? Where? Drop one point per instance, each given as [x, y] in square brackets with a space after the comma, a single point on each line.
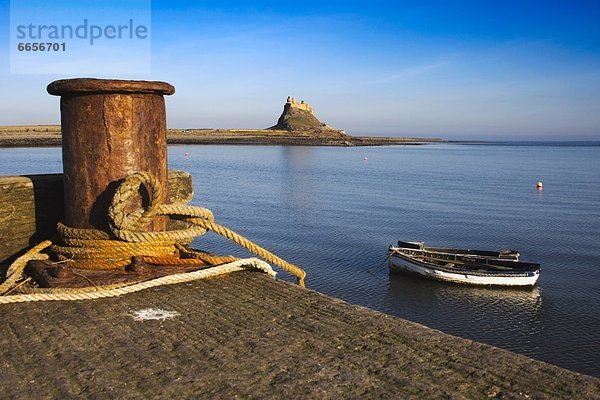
[110, 129]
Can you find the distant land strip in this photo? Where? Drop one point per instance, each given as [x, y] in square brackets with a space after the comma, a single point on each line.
[50, 135]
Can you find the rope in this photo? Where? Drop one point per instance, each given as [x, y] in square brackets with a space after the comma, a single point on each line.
[15, 271]
[96, 249]
[198, 219]
[103, 292]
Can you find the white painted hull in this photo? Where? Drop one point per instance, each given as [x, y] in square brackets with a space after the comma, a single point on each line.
[400, 264]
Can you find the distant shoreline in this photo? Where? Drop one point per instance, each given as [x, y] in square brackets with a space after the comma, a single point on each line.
[50, 135]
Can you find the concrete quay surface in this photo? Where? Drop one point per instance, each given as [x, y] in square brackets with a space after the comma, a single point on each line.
[246, 335]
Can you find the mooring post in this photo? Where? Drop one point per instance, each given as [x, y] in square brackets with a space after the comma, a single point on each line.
[110, 129]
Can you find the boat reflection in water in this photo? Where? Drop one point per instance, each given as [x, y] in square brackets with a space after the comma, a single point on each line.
[510, 318]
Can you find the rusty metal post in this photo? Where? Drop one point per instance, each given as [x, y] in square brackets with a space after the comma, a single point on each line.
[110, 129]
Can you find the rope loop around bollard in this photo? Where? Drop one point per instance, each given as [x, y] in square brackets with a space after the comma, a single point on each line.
[125, 193]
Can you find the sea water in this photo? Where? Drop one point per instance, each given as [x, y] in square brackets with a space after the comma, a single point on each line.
[334, 211]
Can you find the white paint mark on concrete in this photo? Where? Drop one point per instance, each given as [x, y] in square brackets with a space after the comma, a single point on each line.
[153, 314]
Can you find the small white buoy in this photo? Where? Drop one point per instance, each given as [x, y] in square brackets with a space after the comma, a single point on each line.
[366, 159]
[539, 185]
[186, 154]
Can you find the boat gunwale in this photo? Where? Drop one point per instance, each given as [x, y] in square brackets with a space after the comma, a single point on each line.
[505, 255]
[503, 262]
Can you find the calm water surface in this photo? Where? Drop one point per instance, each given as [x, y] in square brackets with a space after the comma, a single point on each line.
[333, 213]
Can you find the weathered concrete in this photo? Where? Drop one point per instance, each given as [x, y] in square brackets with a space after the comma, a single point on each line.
[248, 336]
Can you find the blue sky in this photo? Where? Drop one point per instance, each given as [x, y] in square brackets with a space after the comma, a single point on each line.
[515, 70]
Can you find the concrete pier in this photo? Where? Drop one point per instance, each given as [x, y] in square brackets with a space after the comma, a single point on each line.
[246, 335]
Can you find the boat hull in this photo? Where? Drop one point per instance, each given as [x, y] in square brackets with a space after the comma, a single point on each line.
[397, 263]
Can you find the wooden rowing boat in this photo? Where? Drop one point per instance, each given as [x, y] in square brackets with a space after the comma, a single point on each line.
[474, 267]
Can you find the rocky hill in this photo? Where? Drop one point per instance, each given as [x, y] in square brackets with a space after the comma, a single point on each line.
[299, 117]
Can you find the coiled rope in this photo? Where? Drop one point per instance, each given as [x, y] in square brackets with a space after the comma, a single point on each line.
[97, 249]
[99, 292]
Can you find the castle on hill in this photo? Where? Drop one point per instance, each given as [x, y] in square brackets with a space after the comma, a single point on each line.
[301, 106]
[299, 117]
